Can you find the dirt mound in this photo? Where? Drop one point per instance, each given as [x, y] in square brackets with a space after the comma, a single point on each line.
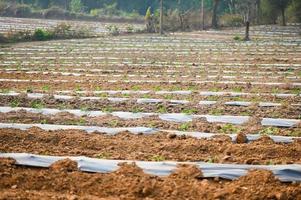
[241, 138]
[186, 172]
[65, 165]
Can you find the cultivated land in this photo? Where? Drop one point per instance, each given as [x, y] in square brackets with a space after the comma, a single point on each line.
[231, 108]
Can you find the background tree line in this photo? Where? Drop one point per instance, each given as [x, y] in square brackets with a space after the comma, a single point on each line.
[178, 14]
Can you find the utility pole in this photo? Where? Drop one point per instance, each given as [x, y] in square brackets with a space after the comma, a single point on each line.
[203, 15]
[161, 17]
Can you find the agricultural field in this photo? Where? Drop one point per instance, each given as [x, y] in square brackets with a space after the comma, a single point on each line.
[13, 25]
[194, 115]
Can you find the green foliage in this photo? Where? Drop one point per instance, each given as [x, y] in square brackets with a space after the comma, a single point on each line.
[42, 35]
[37, 104]
[157, 158]
[229, 129]
[15, 103]
[113, 30]
[185, 126]
[270, 131]
[148, 14]
[76, 6]
[237, 38]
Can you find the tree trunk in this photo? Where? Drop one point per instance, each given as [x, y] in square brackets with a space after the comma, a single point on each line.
[203, 15]
[214, 14]
[247, 36]
[283, 17]
[161, 17]
[258, 11]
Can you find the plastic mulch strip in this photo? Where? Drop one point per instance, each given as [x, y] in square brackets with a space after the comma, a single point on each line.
[285, 173]
[137, 130]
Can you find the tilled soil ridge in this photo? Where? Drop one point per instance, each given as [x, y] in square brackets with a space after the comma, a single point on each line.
[62, 181]
[156, 147]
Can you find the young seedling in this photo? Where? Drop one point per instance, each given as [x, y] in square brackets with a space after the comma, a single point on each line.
[157, 158]
[45, 88]
[229, 129]
[185, 126]
[37, 104]
[15, 103]
[270, 131]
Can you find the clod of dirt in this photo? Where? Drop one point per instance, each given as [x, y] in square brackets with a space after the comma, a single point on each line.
[241, 138]
[222, 138]
[171, 136]
[256, 176]
[6, 162]
[65, 165]
[265, 139]
[187, 172]
[129, 169]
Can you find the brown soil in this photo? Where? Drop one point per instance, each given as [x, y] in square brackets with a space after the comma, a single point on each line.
[24, 76]
[146, 86]
[200, 125]
[126, 146]
[129, 182]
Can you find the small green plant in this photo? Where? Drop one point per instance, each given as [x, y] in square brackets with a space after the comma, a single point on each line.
[137, 110]
[169, 96]
[15, 103]
[157, 158]
[136, 88]
[212, 160]
[146, 96]
[190, 111]
[237, 38]
[216, 111]
[161, 109]
[45, 88]
[103, 155]
[29, 90]
[229, 129]
[108, 109]
[37, 104]
[78, 88]
[113, 123]
[4, 91]
[270, 131]
[126, 95]
[81, 122]
[237, 89]
[157, 88]
[44, 121]
[103, 95]
[185, 126]
[270, 162]
[84, 108]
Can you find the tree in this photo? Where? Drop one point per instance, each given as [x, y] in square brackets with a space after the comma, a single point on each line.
[76, 6]
[161, 17]
[214, 13]
[202, 15]
[280, 6]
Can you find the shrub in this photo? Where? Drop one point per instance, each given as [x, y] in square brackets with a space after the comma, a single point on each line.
[232, 20]
[113, 30]
[237, 38]
[129, 28]
[42, 35]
